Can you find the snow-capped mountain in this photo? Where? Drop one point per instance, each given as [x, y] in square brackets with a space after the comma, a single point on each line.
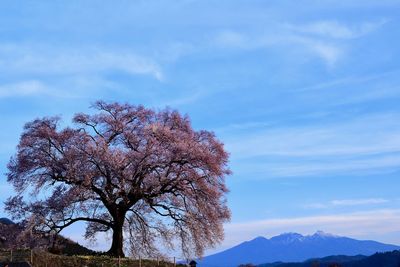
[293, 247]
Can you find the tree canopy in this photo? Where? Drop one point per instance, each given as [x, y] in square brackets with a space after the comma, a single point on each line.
[146, 176]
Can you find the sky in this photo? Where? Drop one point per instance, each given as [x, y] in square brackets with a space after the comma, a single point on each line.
[304, 95]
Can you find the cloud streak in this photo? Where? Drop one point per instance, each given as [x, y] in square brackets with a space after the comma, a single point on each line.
[323, 38]
[318, 168]
[347, 203]
[368, 144]
[329, 52]
[367, 135]
[50, 60]
[335, 29]
[32, 88]
[22, 89]
[356, 202]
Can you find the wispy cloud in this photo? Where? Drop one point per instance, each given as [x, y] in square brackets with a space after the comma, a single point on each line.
[347, 203]
[327, 51]
[32, 88]
[318, 168]
[24, 88]
[232, 38]
[354, 81]
[369, 144]
[335, 29]
[364, 218]
[356, 202]
[50, 60]
[370, 134]
[359, 4]
[67, 72]
[323, 39]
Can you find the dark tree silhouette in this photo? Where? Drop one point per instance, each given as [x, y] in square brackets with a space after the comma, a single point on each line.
[139, 173]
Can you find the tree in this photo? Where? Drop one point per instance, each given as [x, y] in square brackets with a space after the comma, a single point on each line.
[134, 171]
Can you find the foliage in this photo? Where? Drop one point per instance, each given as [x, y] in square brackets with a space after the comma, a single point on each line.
[126, 169]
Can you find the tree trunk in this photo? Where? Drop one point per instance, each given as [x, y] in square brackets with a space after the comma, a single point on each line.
[117, 245]
[116, 249]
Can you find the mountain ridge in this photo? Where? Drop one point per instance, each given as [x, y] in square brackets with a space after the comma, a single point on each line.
[293, 247]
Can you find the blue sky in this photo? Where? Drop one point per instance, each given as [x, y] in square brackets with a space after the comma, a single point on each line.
[304, 94]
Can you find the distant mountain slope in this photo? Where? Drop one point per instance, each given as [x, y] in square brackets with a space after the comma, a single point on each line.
[386, 259]
[320, 262]
[293, 247]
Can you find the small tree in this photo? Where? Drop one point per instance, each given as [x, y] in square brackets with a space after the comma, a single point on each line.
[126, 169]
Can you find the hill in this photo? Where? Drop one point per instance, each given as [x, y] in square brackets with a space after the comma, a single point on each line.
[6, 221]
[12, 236]
[320, 262]
[293, 247]
[385, 259]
